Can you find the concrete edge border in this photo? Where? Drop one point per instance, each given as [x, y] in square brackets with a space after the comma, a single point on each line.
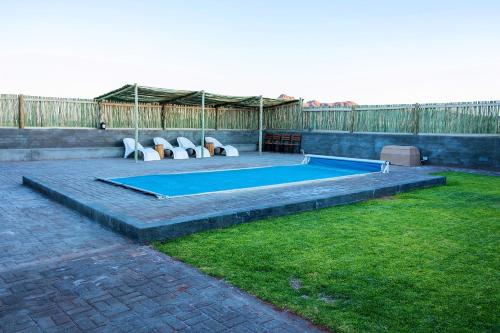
[165, 230]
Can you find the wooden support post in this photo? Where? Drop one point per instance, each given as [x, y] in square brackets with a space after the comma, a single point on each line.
[301, 111]
[261, 122]
[416, 119]
[99, 114]
[163, 117]
[352, 125]
[136, 121]
[216, 118]
[202, 123]
[21, 111]
[498, 122]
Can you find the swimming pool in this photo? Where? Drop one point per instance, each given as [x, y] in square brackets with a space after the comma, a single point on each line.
[313, 168]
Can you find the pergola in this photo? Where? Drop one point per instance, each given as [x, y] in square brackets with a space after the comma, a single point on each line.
[133, 93]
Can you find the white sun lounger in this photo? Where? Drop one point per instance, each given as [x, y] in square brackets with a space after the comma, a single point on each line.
[188, 145]
[227, 150]
[178, 153]
[149, 154]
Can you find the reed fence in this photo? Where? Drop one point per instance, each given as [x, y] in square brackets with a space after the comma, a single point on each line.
[471, 117]
[459, 118]
[9, 110]
[327, 120]
[228, 118]
[120, 115]
[288, 116]
[59, 112]
[180, 116]
[384, 118]
[86, 113]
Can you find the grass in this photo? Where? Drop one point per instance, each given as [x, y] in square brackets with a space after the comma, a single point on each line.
[427, 260]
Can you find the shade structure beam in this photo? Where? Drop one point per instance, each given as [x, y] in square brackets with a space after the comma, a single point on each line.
[118, 91]
[202, 123]
[271, 105]
[192, 94]
[238, 103]
[145, 94]
[136, 120]
[261, 116]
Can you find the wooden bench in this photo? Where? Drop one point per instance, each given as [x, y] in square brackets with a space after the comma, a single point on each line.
[285, 143]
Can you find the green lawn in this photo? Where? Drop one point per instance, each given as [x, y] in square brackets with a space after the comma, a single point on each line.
[427, 260]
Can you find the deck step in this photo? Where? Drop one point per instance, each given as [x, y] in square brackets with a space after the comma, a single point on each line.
[40, 154]
[244, 147]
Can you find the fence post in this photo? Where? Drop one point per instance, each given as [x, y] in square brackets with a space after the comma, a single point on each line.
[416, 119]
[21, 111]
[352, 125]
[163, 115]
[99, 114]
[498, 122]
[216, 118]
[301, 112]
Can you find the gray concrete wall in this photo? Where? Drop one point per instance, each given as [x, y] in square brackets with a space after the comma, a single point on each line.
[468, 151]
[74, 138]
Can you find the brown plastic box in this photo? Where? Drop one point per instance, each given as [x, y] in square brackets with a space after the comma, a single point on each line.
[401, 155]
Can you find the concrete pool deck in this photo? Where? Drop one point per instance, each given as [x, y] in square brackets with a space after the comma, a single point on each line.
[146, 218]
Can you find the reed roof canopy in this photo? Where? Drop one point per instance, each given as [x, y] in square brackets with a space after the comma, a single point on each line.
[188, 97]
[141, 94]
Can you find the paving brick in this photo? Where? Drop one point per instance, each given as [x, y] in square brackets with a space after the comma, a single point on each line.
[60, 318]
[85, 324]
[45, 322]
[174, 322]
[240, 319]
[61, 272]
[196, 319]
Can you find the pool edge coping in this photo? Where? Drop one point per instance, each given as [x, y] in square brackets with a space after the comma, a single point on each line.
[170, 229]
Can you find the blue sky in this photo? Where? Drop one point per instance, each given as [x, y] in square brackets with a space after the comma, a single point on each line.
[365, 51]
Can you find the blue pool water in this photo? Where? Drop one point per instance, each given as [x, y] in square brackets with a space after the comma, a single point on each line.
[170, 185]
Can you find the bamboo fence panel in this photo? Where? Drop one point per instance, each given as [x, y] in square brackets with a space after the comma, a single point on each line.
[467, 118]
[445, 118]
[9, 110]
[321, 120]
[287, 116]
[60, 112]
[471, 117]
[238, 118]
[180, 116]
[384, 118]
[121, 115]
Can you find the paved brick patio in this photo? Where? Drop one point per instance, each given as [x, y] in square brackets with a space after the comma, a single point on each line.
[146, 218]
[61, 272]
